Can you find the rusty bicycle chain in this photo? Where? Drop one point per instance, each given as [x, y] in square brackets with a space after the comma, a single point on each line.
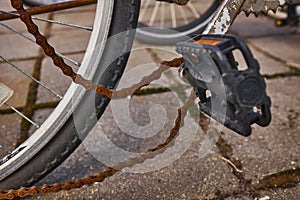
[100, 89]
[109, 171]
[77, 78]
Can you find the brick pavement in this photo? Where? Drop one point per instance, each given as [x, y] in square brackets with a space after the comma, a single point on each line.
[269, 158]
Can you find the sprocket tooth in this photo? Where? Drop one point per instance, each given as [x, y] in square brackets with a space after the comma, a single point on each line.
[247, 13]
[265, 12]
[262, 6]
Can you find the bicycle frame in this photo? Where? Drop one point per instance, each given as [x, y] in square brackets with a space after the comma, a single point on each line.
[224, 17]
[49, 8]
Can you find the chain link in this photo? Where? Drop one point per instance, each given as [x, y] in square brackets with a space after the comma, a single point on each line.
[100, 89]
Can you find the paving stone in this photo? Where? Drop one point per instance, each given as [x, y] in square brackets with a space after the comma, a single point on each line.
[68, 42]
[21, 48]
[284, 48]
[39, 117]
[142, 62]
[240, 197]
[268, 66]
[166, 52]
[10, 127]
[54, 79]
[138, 57]
[276, 147]
[205, 177]
[170, 183]
[20, 85]
[283, 193]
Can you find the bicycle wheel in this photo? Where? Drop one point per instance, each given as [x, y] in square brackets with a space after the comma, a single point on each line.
[57, 137]
[164, 23]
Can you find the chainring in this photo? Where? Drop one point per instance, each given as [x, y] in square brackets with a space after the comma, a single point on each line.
[262, 6]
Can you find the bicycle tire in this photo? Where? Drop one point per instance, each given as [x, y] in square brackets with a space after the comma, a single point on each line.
[62, 143]
[165, 36]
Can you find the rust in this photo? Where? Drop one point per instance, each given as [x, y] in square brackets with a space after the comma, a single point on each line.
[47, 188]
[68, 71]
[258, 7]
[179, 122]
[49, 8]
[225, 16]
[283, 179]
[109, 171]
[100, 89]
[176, 62]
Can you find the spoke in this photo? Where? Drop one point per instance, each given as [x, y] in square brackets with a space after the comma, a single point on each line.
[32, 40]
[173, 15]
[17, 32]
[162, 15]
[22, 115]
[183, 15]
[145, 8]
[154, 13]
[69, 59]
[31, 77]
[89, 28]
[193, 10]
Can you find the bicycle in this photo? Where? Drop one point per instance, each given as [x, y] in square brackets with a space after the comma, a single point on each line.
[67, 139]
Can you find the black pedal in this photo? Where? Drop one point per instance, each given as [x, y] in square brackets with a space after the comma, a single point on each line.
[210, 67]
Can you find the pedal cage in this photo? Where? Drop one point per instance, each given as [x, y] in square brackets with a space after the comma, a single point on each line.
[246, 100]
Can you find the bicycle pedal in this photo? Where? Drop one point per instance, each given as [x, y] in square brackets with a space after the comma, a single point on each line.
[210, 64]
[5, 93]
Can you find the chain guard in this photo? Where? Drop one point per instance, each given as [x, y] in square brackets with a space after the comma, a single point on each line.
[246, 100]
